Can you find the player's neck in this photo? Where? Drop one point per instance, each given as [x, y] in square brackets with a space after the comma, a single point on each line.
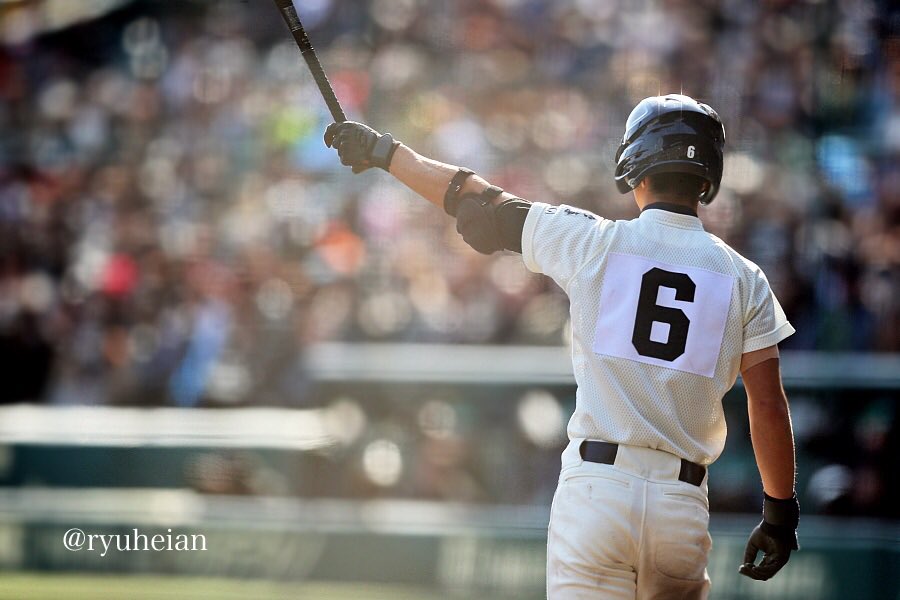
[645, 198]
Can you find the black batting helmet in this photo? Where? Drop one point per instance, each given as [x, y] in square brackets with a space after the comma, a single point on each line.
[671, 134]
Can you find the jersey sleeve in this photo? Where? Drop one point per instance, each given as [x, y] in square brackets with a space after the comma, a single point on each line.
[558, 240]
[765, 323]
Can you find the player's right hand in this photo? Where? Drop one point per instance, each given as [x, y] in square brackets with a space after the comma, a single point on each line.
[359, 146]
[353, 142]
[775, 536]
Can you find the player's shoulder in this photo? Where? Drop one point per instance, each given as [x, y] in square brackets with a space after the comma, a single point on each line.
[565, 210]
[744, 269]
[565, 220]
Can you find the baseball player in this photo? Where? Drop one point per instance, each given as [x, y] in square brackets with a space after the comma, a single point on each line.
[664, 317]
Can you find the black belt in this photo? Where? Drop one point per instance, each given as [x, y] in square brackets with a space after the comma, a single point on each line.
[605, 453]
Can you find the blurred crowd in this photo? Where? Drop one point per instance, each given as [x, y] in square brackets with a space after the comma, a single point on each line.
[480, 445]
[173, 230]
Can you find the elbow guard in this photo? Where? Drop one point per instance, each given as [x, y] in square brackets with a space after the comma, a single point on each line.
[488, 224]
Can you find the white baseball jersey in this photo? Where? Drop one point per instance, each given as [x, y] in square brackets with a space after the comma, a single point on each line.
[661, 313]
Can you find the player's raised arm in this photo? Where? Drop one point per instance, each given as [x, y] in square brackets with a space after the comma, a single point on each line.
[488, 218]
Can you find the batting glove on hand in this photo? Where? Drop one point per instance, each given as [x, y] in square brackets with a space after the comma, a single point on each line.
[776, 536]
[359, 146]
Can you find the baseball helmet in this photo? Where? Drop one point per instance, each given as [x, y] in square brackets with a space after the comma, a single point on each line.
[671, 134]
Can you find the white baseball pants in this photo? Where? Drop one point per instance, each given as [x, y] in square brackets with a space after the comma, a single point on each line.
[627, 531]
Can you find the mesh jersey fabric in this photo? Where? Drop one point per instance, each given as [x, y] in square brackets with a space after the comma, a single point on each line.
[633, 402]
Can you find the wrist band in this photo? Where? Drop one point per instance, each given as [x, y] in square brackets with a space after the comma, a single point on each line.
[781, 513]
[384, 150]
[451, 197]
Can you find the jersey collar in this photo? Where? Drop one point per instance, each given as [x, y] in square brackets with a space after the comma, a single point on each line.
[670, 213]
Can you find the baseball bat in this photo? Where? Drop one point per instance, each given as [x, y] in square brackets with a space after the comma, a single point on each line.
[289, 13]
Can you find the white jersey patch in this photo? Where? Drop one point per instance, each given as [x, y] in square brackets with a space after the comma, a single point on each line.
[661, 314]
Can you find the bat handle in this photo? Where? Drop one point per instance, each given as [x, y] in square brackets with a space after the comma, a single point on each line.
[318, 73]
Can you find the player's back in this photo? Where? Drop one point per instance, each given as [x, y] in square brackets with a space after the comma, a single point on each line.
[661, 313]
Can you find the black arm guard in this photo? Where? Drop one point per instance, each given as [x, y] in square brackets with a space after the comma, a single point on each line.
[451, 196]
[488, 223]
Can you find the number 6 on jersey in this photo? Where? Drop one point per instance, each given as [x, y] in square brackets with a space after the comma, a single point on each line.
[666, 315]
[650, 314]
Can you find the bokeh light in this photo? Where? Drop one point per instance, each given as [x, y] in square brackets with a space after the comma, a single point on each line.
[383, 462]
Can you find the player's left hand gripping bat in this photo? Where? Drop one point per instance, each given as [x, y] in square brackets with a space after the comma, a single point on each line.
[289, 13]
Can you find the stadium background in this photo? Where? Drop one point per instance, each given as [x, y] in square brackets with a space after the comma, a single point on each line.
[206, 323]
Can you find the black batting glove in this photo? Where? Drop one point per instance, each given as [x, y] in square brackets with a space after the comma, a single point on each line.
[359, 146]
[775, 536]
